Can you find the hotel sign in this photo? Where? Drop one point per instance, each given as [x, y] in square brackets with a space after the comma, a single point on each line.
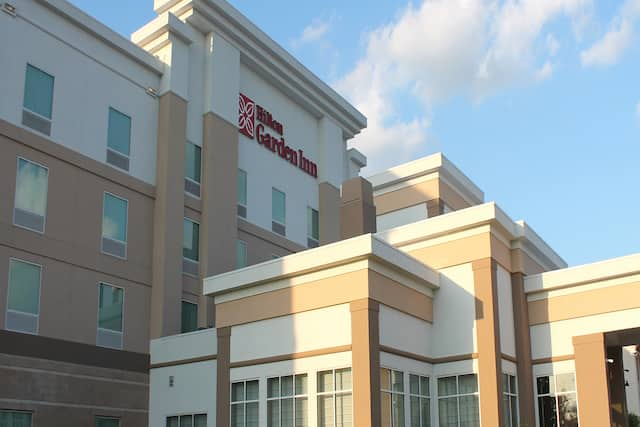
[270, 134]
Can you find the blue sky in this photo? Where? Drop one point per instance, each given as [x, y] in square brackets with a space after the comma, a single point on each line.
[537, 101]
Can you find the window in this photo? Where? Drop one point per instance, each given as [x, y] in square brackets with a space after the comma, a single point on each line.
[334, 398]
[420, 403]
[287, 402]
[38, 100]
[114, 225]
[313, 228]
[190, 247]
[107, 422]
[30, 205]
[392, 398]
[510, 400]
[15, 419]
[23, 305]
[557, 403]
[278, 211]
[241, 254]
[244, 404]
[110, 303]
[189, 316]
[458, 401]
[199, 420]
[242, 193]
[192, 169]
[118, 139]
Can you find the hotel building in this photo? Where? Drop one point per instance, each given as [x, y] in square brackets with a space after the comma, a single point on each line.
[125, 178]
[451, 314]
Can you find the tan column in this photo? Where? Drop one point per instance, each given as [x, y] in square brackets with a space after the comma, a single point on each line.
[523, 350]
[357, 213]
[166, 291]
[618, 397]
[219, 225]
[223, 377]
[488, 338]
[329, 213]
[435, 207]
[591, 380]
[365, 354]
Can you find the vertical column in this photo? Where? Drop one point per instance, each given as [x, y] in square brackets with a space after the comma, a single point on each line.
[219, 228]
[357, 213]
[329, 213]
[488, 338]
[523, 350]
[435, 207]
[223, 376]
[591, 380]
[619, 414]
[166, 291]
[365, 354]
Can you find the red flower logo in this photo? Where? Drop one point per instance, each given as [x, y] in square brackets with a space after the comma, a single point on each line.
[246, 116]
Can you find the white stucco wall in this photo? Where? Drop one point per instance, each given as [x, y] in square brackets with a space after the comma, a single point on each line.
[403, 332]
[402, 216]
[505, 309]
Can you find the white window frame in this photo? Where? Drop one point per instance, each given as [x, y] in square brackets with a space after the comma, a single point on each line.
[313, 239]
[511, 394]
[457, 395]
[334, 392]
[430, 397]
[7, 310]
[391, 392]
[189, 260]
[98, 328]
[15, 196]
[125, 243]
[556, 394]
[244, 205]
[128, 156]
[243, 243]
[199, 184]
[243, 402]
[284, 225]
[294, 396]
[41, 69]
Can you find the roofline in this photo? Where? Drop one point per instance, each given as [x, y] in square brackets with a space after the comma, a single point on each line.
[424, 166]
[464, 219]
[253, 42]
[322, 258]
[583, 274]
[105, 34]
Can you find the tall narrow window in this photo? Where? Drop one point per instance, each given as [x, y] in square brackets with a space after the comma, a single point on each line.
[242, 193]
[278, 211]
[107, 422]
[287, 401]
[38, 100]
[30, 206]
[419, 401]
[190, 247]
[335, 404]
[23, 306]
[313, 228]
[510, 400]
[458, 404]
[244, 404]
[199, 420]
[15, 419]
[192, 169]
[189, 316]
[557, 403]
[241, 254]
[118, 139]
[110, 310]
[392, 398]
[114, 225]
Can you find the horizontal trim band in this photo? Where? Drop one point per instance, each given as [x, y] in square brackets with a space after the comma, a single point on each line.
[292, 356]
[432, 360]
[509, 358]
[553, 359]
[183, 361]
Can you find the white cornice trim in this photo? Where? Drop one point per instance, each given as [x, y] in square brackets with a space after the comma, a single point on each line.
[104, 34]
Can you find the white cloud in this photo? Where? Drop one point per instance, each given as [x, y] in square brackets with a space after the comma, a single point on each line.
[443, 48]
[610, 48]
[312, 32]
[545, 72]
[553, 45]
